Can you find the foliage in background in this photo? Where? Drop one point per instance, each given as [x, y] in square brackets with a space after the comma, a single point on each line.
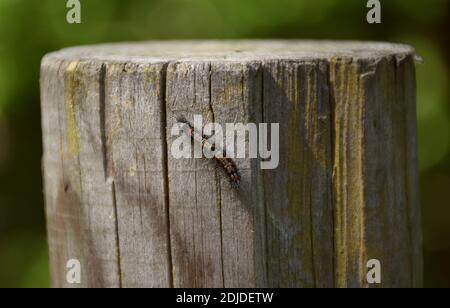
[29, 29]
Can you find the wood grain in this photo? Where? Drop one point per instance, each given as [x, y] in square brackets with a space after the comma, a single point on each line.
[345, 190]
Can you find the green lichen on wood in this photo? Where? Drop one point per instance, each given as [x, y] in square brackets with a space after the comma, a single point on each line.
[73, 134]
[347, 171]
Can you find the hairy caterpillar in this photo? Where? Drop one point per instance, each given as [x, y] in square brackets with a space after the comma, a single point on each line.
[227, 164]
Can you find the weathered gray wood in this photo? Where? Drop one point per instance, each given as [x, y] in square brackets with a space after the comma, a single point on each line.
[134, 154]
[345, 191]
[298, 195]
[377, 212]
[236, 98]
[194, 197]
[80, 207]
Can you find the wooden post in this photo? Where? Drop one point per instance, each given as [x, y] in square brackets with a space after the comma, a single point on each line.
[345, 191]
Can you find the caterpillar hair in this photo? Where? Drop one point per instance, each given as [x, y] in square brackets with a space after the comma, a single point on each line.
[225, 163]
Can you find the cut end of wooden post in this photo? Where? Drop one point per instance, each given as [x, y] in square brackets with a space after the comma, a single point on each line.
[344, 192]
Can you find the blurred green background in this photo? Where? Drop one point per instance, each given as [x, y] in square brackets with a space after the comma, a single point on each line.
[30, 29]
